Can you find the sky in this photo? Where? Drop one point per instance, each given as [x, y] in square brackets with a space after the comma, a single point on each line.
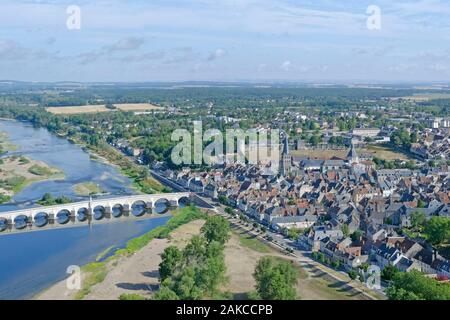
[225, 40]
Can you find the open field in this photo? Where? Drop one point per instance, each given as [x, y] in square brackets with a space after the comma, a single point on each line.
[384, 153]
[320, 153]
[312, 284]
[102, 108]
[425, 97]
[378, 151]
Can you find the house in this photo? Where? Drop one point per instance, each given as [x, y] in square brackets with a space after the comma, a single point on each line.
[321, 232]
[293, 222]
[211, 191]
[197, 185]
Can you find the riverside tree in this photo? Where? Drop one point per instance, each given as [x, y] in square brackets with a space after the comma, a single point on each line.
[198, 270]
[275, 279]
[216, 228]
[171, 257]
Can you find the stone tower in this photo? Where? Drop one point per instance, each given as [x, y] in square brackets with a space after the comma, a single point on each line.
[352, 156]
[286, 160]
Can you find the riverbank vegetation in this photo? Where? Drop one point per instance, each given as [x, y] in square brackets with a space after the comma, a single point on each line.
[49, 200]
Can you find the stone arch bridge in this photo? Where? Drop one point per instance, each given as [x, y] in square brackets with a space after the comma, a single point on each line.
[91, 212]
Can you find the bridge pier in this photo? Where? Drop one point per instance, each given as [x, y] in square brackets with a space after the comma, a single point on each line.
[108, 212]
[126, 210]
[30, 222]
[73, 216]
[51, 219]
[9, 224]
[148, 208]
[173, 204]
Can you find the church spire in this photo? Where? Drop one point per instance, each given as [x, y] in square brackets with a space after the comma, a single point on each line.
[286, 145]
[352, 156]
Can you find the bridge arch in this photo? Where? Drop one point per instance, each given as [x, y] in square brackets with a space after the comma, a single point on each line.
[20, 222]
[82, 214]
[117, 210]
[162, 205]
[139, 208]
[99, 212]
[63, 216]
[3, 224]
[41, 219]
[184, 201]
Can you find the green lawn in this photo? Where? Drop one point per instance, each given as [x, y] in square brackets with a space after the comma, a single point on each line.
[251, 242]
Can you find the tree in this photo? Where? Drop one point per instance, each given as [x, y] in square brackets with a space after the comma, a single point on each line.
[345, 230]
[171, 257]
[389, 272]
[356, 236]
[166, 293]
[417, 219]
[216, 228]
[438, 230]
[421, 204]
[415, 285]
[352, 274]
[275, 280]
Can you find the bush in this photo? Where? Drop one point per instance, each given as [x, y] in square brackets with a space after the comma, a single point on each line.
[39, 170]
[352, 274]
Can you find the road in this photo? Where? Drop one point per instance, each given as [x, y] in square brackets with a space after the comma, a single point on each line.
[280, 242]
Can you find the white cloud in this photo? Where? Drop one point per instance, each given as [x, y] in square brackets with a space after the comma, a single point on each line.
[219, 53]
[286, 65]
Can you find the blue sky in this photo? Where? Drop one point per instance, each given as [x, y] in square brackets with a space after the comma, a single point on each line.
[229, 40]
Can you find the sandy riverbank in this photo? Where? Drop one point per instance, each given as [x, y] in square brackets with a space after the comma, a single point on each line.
[135, 274]
[18, 172]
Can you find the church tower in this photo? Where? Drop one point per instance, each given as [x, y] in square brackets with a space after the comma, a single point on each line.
[352, 156]
[286, 160]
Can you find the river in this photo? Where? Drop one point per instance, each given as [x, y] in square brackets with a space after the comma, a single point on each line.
[31, 262]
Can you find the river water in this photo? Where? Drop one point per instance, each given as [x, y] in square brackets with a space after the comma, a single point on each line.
[31, 262]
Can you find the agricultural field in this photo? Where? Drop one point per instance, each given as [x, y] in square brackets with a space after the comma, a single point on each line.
[103, 108]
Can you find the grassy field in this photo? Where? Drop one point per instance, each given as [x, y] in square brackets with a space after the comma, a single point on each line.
[320, 154]
[252, 243]
[384, 153]
[243, 251]
[102, 108]
[378, 151]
